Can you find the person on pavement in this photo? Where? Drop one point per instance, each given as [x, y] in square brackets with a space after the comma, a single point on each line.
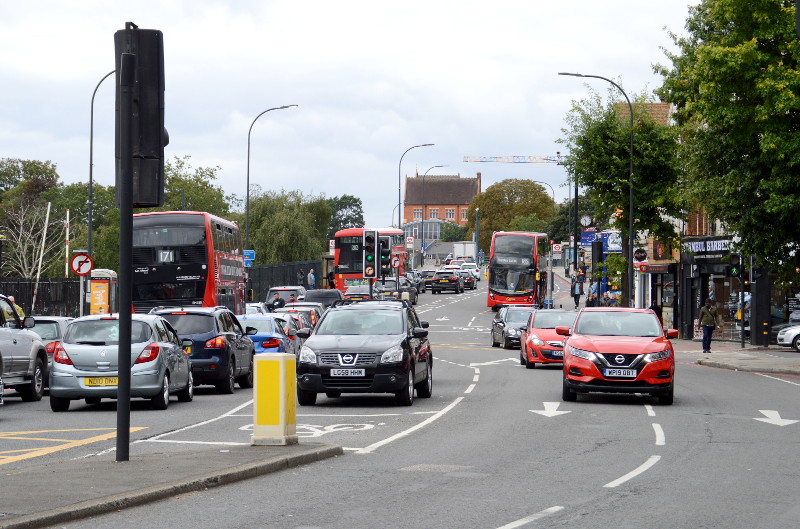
[312, 279]
[709, 320]
[577, 291]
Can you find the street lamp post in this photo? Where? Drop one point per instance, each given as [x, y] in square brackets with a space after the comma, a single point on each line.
[631, 236]
[477, 225]
[90, 202]
[399, 207]
[424, 204]
[247, 197]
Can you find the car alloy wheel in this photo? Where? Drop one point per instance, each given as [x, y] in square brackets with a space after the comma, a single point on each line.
[405, 397]
[226, 385]
[425, 388]
[187, 393]
[35, 390]
[161, 401]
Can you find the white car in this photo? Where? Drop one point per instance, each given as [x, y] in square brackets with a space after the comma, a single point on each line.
[473, 269]
[790, 337]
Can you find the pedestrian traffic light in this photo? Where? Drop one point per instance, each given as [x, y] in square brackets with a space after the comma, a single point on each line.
[145, 121]
[370, 254]
[735, 265]
[386, 255]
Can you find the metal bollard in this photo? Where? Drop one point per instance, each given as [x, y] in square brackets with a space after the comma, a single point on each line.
[274, 398]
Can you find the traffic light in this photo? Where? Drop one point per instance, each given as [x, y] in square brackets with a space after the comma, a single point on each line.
[146, 120]
[386, 255]
[597, 254]
[734, 265]
[370, 254]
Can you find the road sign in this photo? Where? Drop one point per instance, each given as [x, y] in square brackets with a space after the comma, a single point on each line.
[557, 248]
[395, 262]
[249, 254]
[81, 264]
[248, 263]
[409, 240]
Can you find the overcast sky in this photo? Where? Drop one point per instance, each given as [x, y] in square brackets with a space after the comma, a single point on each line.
[371, 78]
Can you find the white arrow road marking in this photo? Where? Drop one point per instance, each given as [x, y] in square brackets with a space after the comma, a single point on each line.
[550, 410]
[773, 417]
[443, 318]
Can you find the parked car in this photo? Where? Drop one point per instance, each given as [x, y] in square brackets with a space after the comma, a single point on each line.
[539, 342]
[50, 329]
[357, 293]
[85, 362]
[23, 360]
[618, 350]
[257, 307]
[472, 268]
[388, 289]
[298, 291]
[367, 347]
[270, 336]
[794, 319]
[789, 337]
[506, 325]
[469, 279]
[326, 296]
[447, 280]
[221, 351]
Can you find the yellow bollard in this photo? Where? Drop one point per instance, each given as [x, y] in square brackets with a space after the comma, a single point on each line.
[274, 398]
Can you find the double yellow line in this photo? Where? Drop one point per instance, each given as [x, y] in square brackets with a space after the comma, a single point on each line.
[12, 456]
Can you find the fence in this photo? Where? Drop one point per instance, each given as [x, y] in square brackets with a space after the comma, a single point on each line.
[55, 297]
[263, 277]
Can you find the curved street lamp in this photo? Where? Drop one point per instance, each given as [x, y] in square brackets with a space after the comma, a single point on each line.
[424, 204]
[247, 198]
[399, 165]
[631, 237]
[90, 202]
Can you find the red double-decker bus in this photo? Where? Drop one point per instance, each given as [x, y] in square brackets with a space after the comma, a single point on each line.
[514, 276]
[183, 258]
[349, 250]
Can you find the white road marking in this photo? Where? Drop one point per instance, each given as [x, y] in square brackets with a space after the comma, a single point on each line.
[476, 377]
[493, 362]
[778, 379]
[550, 410]
[660, 439]
[632, 474]
[470, 388]
[532, 518]
[203, 423]
[773, 417]
[650, 411]
[374, 446]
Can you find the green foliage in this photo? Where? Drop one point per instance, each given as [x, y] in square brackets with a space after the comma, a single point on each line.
[504, 201]
[452, 232]
[599, 160]
[347, 211]
[616, 266]
[736, 84]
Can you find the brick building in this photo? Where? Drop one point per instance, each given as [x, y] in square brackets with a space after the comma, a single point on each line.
[438, 198]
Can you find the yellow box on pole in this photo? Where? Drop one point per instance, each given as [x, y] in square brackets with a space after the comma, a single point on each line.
[274, 397]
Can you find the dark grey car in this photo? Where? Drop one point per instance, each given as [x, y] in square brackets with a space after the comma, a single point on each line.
[506, 326]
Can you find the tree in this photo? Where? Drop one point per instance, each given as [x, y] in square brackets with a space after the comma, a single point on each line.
[25, 226]
[450, 232]
[735, 83]
[347, 211]
[502, 202]
[35, 175]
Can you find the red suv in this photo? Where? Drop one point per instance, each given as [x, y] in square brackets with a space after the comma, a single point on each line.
[618, 350]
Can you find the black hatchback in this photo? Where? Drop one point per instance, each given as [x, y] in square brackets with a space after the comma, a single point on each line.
[366, 347]
[222, 352]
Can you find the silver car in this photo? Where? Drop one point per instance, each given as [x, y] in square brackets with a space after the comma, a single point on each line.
[85, 362]
[790, 337]
[51, 329]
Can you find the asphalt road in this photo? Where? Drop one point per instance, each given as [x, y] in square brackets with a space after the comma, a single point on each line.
[493, 448]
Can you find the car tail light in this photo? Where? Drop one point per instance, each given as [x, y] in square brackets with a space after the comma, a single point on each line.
[149, 354]
[217, 342]
[286, 330]
[60, 356]
[272, 342]
[51, 347]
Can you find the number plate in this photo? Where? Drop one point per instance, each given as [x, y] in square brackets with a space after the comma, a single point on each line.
[347, 372]
[556, 353]
[101, 381]
[619, 373]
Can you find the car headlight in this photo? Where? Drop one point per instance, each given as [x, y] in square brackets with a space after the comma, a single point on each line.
[513, 332]
[535, 340]
[661, 355]
[307, 355]
[392, 355]
[580, 353]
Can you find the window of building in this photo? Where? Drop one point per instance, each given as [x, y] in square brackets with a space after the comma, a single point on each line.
[449, 213]
[417, 213]
[434, 213]
[463, 214]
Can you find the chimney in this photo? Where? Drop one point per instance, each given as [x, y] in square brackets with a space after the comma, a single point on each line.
[479, 181]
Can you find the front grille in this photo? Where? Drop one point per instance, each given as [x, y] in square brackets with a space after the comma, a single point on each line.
[611, 359]
[547, 353]
[333, 359]
[348, 382]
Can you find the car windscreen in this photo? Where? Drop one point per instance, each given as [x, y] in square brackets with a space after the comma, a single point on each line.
[361, 322]
[186, 323]
[261, 325]
[283, 292]
[104, 332]
[47, 330]
[545, 319]
[618, 323]
[518, 316]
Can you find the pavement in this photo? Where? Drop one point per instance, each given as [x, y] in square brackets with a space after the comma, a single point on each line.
[64, 491]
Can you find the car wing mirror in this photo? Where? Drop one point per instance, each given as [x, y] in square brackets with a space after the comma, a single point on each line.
[424, 324]
[251, 331]
[563, 330]
[419, 332]
[305, 332]
[291, 332]
[29, 322]
[673, 333]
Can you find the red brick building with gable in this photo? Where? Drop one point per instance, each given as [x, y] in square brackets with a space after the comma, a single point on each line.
[439, 197]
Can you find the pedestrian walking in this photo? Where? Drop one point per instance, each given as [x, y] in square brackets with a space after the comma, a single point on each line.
[577, 291]
[657, 309]
[606, 301]
[301, 277]
[709, 320]
[312, 280]
[331, 280]
[592, 301]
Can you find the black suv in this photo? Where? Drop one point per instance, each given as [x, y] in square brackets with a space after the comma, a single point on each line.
[447, 280]
[222, 353]
[366, 347]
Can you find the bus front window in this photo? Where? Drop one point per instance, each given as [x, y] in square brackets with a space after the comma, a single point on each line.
[511, 280]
